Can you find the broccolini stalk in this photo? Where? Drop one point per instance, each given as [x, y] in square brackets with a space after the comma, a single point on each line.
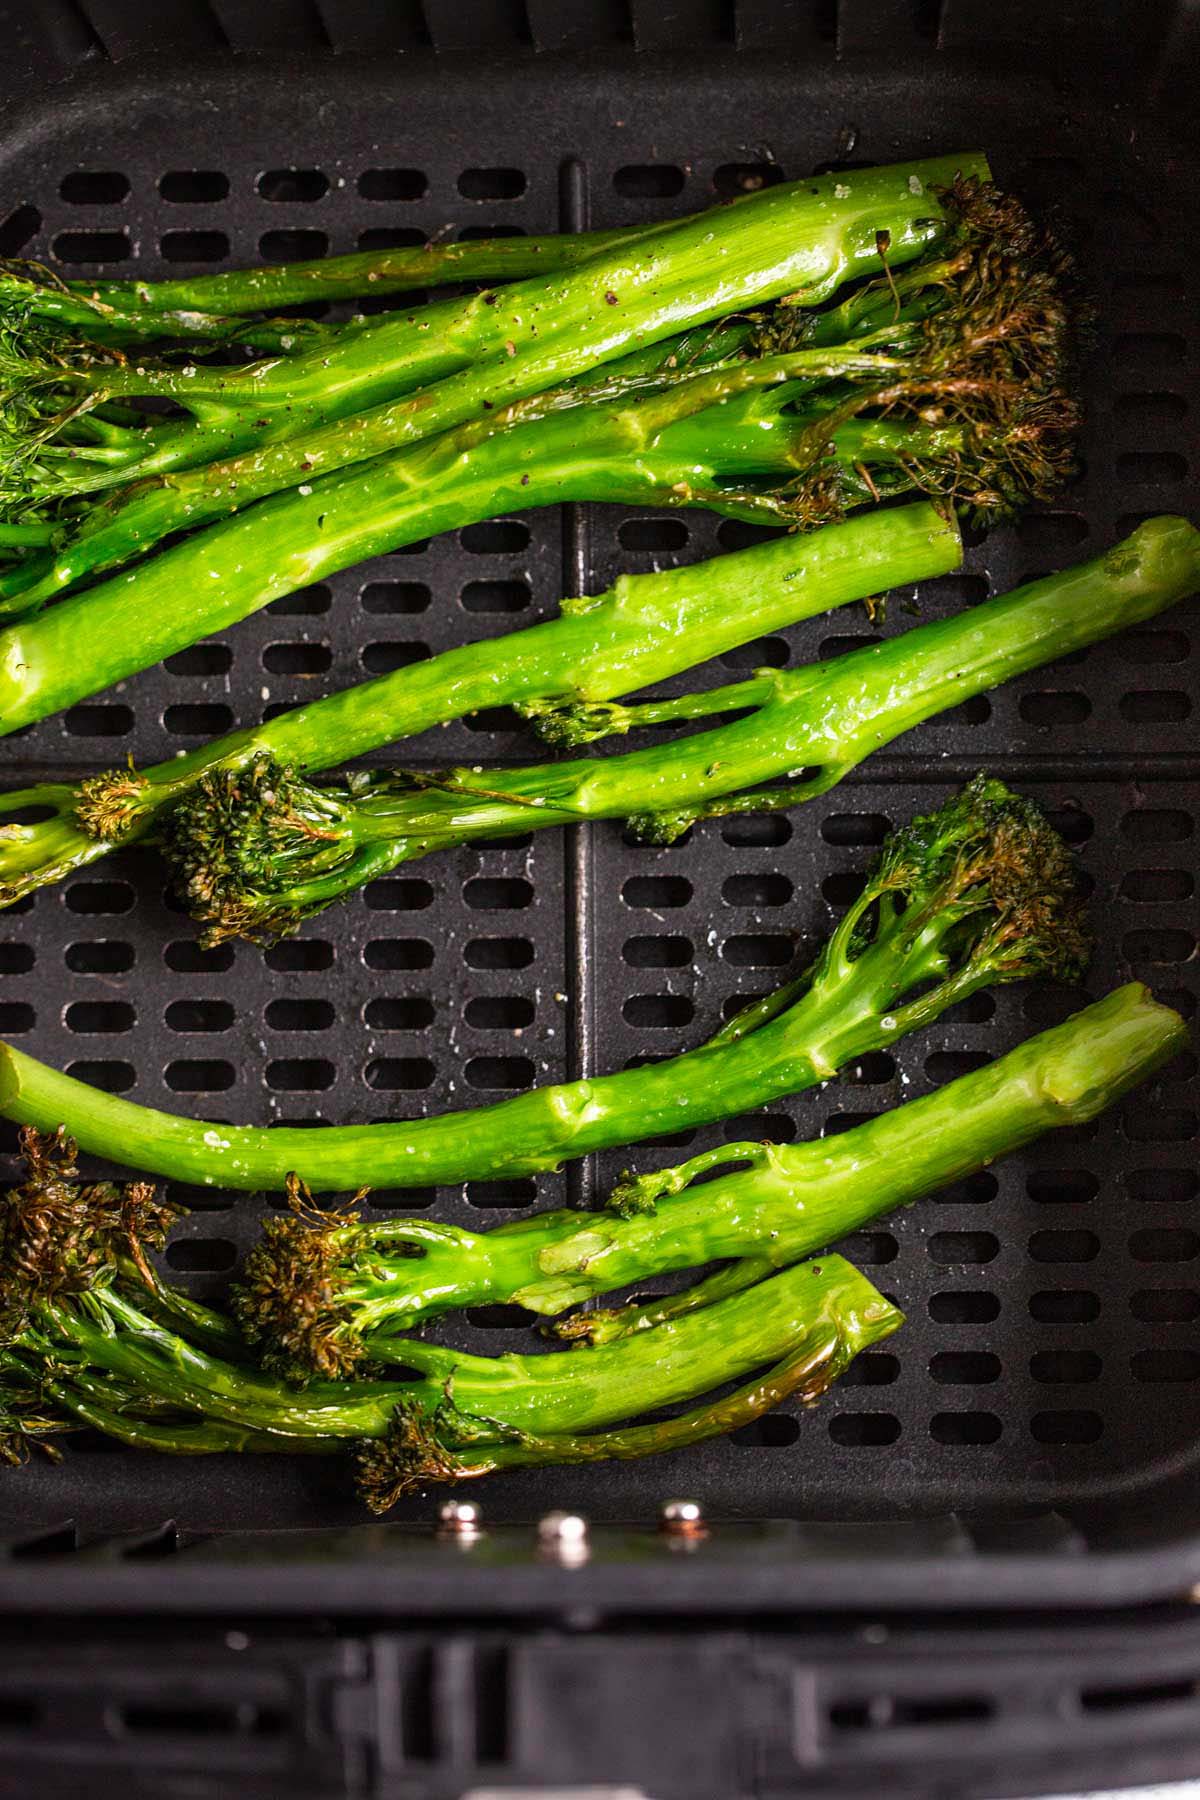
[982, 337]
[330, 1293]
[989, 895]
[643, 629]
[803, 239]
[237, 566]
[257, 850]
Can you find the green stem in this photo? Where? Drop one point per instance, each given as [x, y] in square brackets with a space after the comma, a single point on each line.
[236, 567]
[810, 727]
[803, 239]
[642, 630]
[606, 1325]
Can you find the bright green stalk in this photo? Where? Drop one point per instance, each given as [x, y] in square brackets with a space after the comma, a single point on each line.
[257, 851]
[493, 1397]
[643, 629]
[165, 308]
[803, 239]
[620, 451]
[989, 896]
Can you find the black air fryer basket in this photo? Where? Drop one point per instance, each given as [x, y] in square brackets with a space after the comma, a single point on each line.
[1031, 1439]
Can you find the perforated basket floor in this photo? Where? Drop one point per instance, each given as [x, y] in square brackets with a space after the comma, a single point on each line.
[1050, 1358]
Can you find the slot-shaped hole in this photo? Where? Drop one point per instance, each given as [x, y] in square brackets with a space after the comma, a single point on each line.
[1064, 1306]
[1151, 468]
[292, 244]
[775, 1431]
[963, 1307]
[193, 246]
[650, 892]
[957, 1247]
[757, 890]
[1065, 1366]
[92, 246]
[648, 535]
[495, 537]
[186, 957]
[1163, 1362]
[1055, 708]
[1166, 347]
[18, 959]
[193, 1256]
[965, 1428]
[758, 831]
[308, 1014]
[1150, 886]
[1157, 825]
[1170, 1186]
[740, 534]
[399, 893]
[393, 184]
[874, 1368]
[521, 1191]
[496, 596]
[200, 1015]
[202, 660]
[872, 1247]
[757, 950]
[663, 952]
[949, 1065]
[97, 897]
[385, 658]
[18, 1016]
[98, 719]
[1072, 823]
[199, 1075]
[98, 1016]
[854, 829]
[649, 181]
[292, 185]
[964, 1368]
[658, 1012]
[1162, 706]
[1150, 413]
[1158, 945]
[1159, 1125]
[1165, 1306]
[491, 184]
[500, 1318]
[979, 1189]
[109, 1077]
[1164, 1243]
[1075, 1246]
[410, 1012]
[1061, 1187]
[762, 653]
[404, 597]
[498, 893]
[499, 1012]
[193, 187]
[1066, 1427]
[198, 721]
[863, 1430]
[498, 953]
[94, 187]
[305, 603]
[400, 1074]
[297, 659]
[508, 1074]
[875, 1069]
[299, 956]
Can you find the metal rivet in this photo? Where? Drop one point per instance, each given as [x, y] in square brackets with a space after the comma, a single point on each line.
[459, 1518]
[563, 1538]
[682, 1518]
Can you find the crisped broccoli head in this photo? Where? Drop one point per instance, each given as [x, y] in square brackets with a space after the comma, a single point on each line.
[406, 1459]
[289, 1300]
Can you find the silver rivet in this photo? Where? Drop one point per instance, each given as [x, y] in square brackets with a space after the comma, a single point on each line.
[460, 1518]
[682, 1518]
[562, 1528]
[563, 1538]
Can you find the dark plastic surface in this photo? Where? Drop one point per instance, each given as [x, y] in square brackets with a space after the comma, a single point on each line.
[1050, 1358]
